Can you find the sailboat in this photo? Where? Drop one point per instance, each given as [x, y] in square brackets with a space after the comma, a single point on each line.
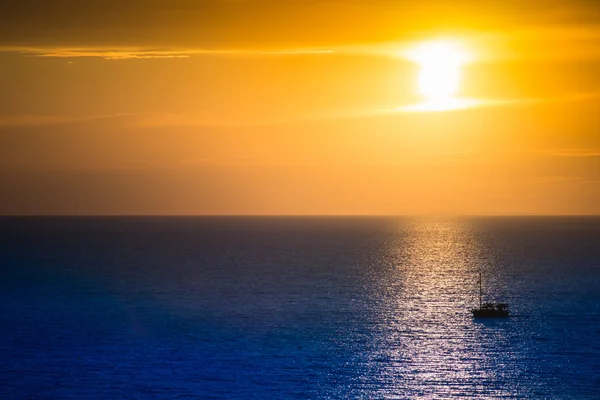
[489, 310]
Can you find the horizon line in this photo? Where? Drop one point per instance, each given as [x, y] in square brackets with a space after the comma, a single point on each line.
[300, 215]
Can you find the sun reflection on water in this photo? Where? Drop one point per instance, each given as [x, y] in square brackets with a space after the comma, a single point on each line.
[430, 339]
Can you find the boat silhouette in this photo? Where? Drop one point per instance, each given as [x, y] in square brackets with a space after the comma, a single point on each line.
[488, 309]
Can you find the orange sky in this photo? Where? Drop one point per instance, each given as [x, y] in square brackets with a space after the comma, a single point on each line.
[296, 107]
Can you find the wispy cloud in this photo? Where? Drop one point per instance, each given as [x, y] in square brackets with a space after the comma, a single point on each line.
[541, 42]
[149, 53]
[216, 119]
[463, 103]
[109, 54]
[558, 178]
[44, 120]
[571, 153]
[157, 120]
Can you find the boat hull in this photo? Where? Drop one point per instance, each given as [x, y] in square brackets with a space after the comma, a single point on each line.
[490, 313]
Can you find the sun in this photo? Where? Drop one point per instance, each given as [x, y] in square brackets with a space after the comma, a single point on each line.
[440, 63]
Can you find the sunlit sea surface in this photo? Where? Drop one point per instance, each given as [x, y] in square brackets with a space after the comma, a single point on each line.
[298, 308]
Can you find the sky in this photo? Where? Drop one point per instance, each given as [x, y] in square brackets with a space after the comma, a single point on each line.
[264, 107]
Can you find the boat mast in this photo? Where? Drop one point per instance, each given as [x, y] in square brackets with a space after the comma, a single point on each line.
[480, 290]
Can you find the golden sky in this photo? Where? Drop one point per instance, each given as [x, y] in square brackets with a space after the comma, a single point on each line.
[299, 107]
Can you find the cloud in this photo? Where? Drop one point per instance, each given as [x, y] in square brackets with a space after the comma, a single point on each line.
[463, 103]
[109, 54]
[208, 118]
[563, 178]
[572, 153]
[158, 120]
[558, 42]
[150, 53]
[49, 120]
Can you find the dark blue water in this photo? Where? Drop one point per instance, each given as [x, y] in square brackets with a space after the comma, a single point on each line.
[175, 308]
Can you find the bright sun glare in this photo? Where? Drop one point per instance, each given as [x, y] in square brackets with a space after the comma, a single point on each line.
[440, 65]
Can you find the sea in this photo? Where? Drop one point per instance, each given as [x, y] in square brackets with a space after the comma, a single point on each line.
[298, 307]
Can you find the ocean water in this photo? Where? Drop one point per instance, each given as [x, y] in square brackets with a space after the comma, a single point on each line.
[298, 308]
